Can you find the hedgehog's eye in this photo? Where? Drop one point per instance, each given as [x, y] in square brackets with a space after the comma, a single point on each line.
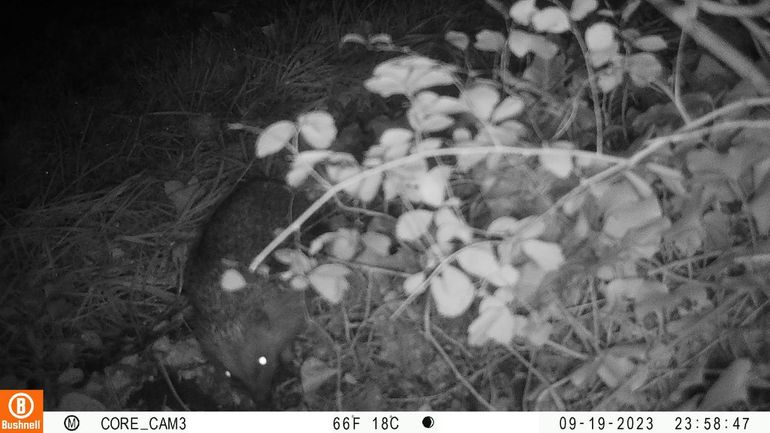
[262, 360]
[228, 374]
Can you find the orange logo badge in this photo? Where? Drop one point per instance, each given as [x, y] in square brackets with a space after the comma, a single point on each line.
[21, 411]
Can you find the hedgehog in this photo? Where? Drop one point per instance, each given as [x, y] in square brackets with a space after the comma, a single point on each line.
[244, 331]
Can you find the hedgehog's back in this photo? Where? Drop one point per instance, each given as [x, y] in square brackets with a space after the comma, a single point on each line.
[237, 329]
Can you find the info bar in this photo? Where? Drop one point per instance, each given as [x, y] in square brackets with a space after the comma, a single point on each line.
[393, 422]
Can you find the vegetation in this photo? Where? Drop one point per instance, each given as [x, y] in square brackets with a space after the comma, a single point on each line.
[553, 207]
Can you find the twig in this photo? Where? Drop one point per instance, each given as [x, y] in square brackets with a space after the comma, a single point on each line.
[565, 350]
[706, 38]
[549, 386]
[758, 9]
[171, 387]
[448, 360]
[592, 80]
[722, 111]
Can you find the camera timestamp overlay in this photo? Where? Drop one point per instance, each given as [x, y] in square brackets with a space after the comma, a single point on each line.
[459, 422]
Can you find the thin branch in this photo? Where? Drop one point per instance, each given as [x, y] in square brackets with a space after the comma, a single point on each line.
[758, 9]
[390, 165]
[706, 38]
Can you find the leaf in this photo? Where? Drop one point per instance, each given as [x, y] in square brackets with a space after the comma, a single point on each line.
[481, 100]
[658, 304]
[687, 233]
[232, 281]
[495, 323]
[730, 388]
[341, 244]
[369, 187]
[614, 369]
[635, 289]
[381, 41]
[522, 43]
[275, 137]
[338, 173]
[581, 8]
[430, 112]
[629, 9]
[671, 178]
[630, 216]
[642, 186]
[396, 142]
[414, 284]
[449, 227]
[643, 68]
[522, 11]
[504, 134]
[697, 296]
[537, 331]
[507, 276]
[610, 77]
[546, 255]
[313, 374]
[502, 226]
[584, 375]
[511, 106]
[650, 43]
[509, 226]
[330, 281]
[70, 377]
[611, 196]
[377, 242]
[427, 122]
[695, 378]
[732, 165]
[480, 261]
[299, 282]
[550, 20]
[407, 75]
[530, 277]
[291, 257]
[428, 144]
[709, 68]
[717, 226]
[433, 185]
[413, 225]
[487, 40]
[600, 36]
[497, 6]
[318, 129]
[403, 181]
[644, 241]
[303, 165]
[458, 39]
[453, 291]
[353, 38]
[602, 46]
[560, 165]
